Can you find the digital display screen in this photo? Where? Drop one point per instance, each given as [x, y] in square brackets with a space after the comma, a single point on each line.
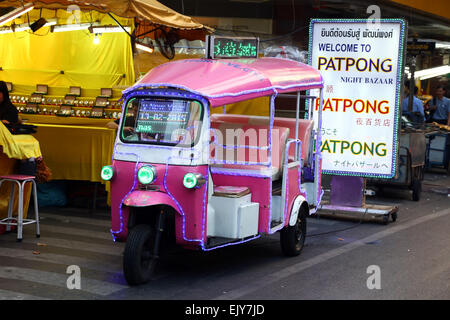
[162, 116]
[157, 120]
[222, 47]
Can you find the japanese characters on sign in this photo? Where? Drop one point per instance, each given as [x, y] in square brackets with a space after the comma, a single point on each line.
[361, 64]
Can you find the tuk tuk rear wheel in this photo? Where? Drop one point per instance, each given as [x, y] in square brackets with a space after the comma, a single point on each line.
[292, 238]
[138, 260]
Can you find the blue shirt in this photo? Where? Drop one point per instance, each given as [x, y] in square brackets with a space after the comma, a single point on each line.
[443, 108]
[417, 106]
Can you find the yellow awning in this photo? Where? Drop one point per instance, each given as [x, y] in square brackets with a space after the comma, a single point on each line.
[437, 7]
[150, 10]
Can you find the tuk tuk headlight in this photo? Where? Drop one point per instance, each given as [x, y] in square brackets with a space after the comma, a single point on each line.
[107, 173]
[146, 174]
[193, 180]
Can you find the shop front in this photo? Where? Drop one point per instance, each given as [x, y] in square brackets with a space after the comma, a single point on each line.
[66, 64]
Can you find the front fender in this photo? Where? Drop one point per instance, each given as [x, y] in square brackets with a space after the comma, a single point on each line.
[142, 198]
[295, 209]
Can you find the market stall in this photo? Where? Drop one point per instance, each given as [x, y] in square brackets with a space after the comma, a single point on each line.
[67, 63]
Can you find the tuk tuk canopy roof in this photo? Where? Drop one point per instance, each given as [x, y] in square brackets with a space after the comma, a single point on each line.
[150, 10]
[226, 81]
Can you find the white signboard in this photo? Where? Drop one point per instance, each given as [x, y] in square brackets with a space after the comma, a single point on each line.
[361, 64]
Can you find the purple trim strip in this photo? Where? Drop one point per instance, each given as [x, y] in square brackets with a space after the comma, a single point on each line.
[286, 169]
[131, 190]
[237, 94]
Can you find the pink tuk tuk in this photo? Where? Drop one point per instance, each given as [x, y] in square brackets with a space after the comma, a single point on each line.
[193, 166]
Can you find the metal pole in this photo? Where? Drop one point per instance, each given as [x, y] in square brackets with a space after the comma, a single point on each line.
[411, 83]
[272, 114]
[109, 14]
[317, 154]
[297, 115]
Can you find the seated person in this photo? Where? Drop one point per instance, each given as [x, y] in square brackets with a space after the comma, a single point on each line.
[8, 112]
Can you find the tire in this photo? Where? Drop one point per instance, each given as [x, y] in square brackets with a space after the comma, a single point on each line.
[138, 264]
[292, 238]
[416, 189]
[165, 41]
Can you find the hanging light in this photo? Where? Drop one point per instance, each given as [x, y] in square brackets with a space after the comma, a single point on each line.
[145, 47]
[96, 39]
[429, 73]
[108, 29]
[432, 72]
[15, 13]
[26, 26]
[72, 27]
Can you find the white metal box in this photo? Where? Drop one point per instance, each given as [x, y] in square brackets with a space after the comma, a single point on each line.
[234, 218]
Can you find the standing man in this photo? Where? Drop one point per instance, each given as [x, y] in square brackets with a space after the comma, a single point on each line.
[440, 105]
[416, 115]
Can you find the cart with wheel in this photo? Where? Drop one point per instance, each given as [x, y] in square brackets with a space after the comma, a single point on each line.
[437, 150]
[411, 163]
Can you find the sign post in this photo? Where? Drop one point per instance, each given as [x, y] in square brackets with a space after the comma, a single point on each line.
[362, 64]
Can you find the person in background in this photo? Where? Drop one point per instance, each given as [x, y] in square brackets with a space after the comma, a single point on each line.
[417, 114]
[440, 107]
[8, 112]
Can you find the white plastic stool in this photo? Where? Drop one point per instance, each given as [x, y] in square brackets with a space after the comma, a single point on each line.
[20, 180]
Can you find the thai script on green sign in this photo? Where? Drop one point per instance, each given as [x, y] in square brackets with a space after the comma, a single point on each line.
[235, 48]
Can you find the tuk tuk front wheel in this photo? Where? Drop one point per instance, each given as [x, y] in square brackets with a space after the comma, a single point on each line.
[292, 238]
[138, 260]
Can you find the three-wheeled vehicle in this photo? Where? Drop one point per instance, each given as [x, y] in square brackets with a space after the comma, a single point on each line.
[200, 158]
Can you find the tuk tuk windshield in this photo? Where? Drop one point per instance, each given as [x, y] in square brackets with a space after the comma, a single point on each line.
[165, 121]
